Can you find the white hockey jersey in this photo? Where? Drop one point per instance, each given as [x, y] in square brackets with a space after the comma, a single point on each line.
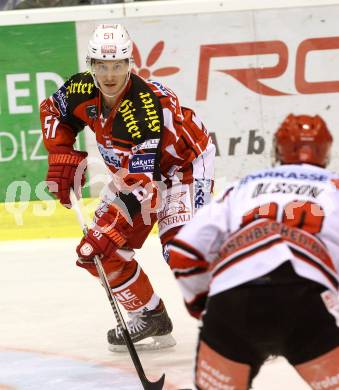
[290, 212]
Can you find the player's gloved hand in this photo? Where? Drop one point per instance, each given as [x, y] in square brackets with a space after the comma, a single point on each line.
[108, 235]
[184, 267]
[197, 305]
[64, 173]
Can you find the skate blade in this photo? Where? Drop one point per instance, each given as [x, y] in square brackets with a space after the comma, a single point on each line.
[154, 343]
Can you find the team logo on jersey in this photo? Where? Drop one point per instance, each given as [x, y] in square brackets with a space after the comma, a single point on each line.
[92, 111]
[142, 163]
[110, 157]
[60, 98]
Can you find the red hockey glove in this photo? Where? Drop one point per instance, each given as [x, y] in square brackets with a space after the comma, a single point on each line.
[108, 235]
[63, 173]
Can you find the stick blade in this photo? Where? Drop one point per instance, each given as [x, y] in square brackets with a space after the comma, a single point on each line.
[158, 385]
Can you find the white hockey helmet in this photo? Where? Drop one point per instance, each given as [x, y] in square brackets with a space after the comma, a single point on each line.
[110, 42]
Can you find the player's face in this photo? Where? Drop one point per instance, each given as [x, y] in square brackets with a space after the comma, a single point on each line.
[111, 75]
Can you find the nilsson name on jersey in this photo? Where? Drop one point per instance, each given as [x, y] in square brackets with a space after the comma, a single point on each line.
[286, 188]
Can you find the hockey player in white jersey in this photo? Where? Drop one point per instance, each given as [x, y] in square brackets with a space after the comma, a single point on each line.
[260, 266]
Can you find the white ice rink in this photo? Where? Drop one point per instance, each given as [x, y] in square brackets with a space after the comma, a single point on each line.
[54, 318]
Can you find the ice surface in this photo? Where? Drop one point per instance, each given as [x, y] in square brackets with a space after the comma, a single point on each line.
[54, 318]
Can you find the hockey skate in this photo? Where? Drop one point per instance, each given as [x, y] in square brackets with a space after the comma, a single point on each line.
[149, 330]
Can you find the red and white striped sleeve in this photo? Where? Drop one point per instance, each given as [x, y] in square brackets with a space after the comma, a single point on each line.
[194, 248]
[184, 137]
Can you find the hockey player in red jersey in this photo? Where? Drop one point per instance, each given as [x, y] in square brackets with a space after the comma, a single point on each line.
[260, 265]
[161, 160]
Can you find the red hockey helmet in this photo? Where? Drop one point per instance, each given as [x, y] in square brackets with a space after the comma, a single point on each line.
[303, 139]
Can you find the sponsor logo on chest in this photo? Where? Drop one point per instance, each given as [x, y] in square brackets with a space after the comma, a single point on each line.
[177, 209]
[149, 144]
[110, 157]
[142, 163]
[79, 88]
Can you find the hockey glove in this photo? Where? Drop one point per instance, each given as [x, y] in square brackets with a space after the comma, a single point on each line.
[186, 264]
[108, 235]
[64, 173]
[197, 305]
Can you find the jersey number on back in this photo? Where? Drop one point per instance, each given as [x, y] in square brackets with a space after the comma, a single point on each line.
[308, 216]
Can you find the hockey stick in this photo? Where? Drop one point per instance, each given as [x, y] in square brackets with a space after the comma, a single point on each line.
[147, 385]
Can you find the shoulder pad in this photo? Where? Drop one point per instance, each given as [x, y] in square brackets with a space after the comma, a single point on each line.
[225, 192]
[76, 90]
[159, 89]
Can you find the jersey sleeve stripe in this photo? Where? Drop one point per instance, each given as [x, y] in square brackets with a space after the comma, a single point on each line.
[186, 247]
[303, 257]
